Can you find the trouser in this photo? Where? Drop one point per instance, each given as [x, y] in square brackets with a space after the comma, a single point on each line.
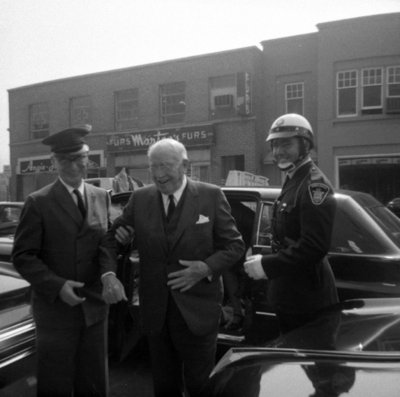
[180, 360]
[72, 359]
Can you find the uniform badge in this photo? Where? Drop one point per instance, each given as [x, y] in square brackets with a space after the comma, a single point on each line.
[318, 192]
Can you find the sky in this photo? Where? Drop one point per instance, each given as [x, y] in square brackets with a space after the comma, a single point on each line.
[43, 40]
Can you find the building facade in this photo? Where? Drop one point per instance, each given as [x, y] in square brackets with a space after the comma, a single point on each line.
[344, 78]
[208, 102]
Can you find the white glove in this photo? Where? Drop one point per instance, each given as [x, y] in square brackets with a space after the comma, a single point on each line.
[253, 267]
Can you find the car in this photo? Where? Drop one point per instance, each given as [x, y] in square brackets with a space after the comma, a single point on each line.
[394, 206]
[9, 216]
[364, 255]
[17, 335]
[352, 349]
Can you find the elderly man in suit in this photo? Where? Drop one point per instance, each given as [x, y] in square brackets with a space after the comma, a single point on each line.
[56, 249]
[186, 237]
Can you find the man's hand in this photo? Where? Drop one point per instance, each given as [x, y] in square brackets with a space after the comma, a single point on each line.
[186, 278]
[113, 290]
[124, 234]
[253, 267]
[68, 294]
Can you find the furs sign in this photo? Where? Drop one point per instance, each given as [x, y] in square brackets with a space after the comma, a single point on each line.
[189, 136]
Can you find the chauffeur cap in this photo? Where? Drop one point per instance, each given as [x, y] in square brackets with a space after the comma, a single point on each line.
[71, 140]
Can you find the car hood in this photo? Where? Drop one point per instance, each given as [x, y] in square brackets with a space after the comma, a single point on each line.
[353, 348]
[282, 372]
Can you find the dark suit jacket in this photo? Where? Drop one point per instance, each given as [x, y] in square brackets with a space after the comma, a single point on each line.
[53, 244]
[205, 231]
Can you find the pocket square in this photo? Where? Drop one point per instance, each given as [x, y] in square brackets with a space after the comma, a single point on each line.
[202, 219]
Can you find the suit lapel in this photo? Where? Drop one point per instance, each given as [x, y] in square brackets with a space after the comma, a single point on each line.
[66, 202]
[90, 197]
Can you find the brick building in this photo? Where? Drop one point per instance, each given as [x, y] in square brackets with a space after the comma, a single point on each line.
[208, 102]
[345, 78]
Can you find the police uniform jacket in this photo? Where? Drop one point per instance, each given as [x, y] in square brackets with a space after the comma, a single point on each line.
[300, 277]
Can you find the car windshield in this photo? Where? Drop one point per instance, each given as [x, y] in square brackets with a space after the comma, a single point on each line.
[389, 223]
[364, 226]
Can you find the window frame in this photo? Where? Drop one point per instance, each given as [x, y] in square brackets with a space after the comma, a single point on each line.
[347, 87]
[131, 104]
[375, 79]
[172, 96]
[74, 105]
[223, 86]
[389, 84]
[43, 112]
[294, 98]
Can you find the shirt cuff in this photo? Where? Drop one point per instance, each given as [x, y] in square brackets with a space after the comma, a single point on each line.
[106, 274]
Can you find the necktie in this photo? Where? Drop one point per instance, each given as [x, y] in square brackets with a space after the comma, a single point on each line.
[171, 207]
[81, 206]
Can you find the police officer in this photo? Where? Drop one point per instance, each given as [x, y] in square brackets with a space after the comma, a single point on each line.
[301, 282]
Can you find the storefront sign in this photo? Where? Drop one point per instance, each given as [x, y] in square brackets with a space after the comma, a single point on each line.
[37, 165]
[189, 136]
[45, 164]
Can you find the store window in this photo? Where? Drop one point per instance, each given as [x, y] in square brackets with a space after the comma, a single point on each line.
[126, 109]
[80, 111]
[39, 120]
[294, 98]
[231, 163]
[346, 86]
[372, 80]
[200, 172]
[172, 103]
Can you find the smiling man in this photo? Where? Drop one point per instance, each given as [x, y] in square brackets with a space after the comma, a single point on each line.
[301, 282]
[56, 250]
[186, 237]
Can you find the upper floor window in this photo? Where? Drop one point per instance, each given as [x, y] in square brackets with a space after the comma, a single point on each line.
[126, 109]
[393, 89]
[294, 97]
[393, 81]
[80, 111]
[39, 120]
[372, 90]
[172, 103]
[223, 96]
[377, 90]
[346, 86]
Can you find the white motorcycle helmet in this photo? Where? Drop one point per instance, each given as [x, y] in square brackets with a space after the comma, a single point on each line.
[291, 125]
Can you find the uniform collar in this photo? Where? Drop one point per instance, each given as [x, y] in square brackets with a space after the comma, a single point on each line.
[289, 175]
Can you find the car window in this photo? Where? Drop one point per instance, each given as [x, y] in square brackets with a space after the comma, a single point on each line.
[389, 223]
[264, 236]
[353, 232]
[244, 213]
[9, 214]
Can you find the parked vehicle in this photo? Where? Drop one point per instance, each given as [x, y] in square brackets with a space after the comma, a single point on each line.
[394, 206]
[9, 217]
[364, 254]
[352, 350]
[17, 335]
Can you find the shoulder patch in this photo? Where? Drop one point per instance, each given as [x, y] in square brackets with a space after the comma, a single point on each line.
[318, 192]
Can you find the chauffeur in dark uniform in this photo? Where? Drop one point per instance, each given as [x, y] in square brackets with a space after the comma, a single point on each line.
[56, 249]
[301, 281]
